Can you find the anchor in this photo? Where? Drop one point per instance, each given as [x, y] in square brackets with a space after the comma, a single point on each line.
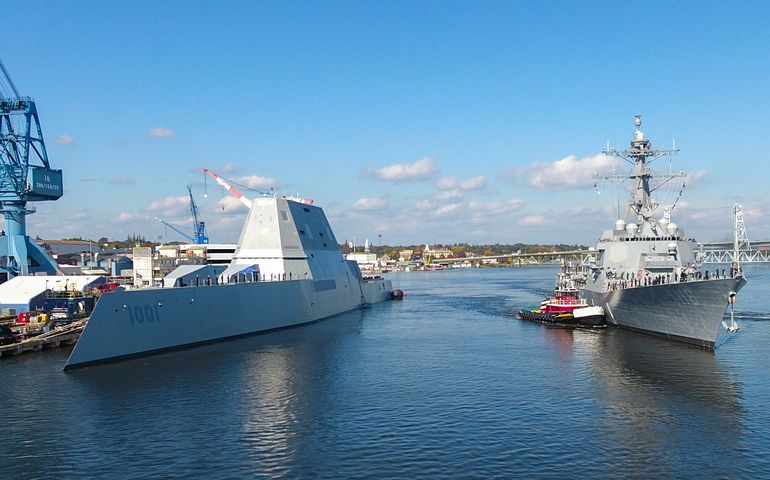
[733, 327]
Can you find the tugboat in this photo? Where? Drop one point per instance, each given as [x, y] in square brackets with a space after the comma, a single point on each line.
[567, 307]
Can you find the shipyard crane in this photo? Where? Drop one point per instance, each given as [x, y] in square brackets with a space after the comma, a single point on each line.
[25, 176]
[199, 226]
[177, 230]
[222, 182]
[199, 236]
[229, 188]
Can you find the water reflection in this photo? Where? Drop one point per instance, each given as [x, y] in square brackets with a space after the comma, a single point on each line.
[561, 338]
[259, 395]
[286, 389]
[659, 397]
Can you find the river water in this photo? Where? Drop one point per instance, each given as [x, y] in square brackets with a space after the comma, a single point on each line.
[447, 383]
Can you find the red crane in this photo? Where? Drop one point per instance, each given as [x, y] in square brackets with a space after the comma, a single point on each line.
[228, 187]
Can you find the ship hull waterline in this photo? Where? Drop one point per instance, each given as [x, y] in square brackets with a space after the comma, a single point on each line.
[138, 323]
[689, 312]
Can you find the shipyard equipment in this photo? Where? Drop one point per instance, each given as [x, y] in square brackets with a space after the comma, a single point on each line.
[199, 236]
[25, 176]
[234, 191]
[199, 226]
[176, 229]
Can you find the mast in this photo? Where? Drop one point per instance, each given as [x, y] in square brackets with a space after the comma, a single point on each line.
[640, 155]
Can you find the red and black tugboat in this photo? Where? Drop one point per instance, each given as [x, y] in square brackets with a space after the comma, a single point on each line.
[567, 307]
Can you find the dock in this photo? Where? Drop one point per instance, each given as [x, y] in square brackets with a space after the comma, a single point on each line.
[58, 337]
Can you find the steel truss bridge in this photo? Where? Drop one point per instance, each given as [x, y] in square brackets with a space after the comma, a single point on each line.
[710, 252]
[722, 253]
[519, 259]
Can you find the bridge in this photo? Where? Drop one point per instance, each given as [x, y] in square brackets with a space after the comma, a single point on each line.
[717, 252]
[519, 258]
[710, 252]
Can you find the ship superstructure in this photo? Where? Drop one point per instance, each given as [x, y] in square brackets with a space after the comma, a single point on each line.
[287, 270]
[647, 274]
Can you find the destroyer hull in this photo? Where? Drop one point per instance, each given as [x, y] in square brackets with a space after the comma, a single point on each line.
[127, 324]
[690, 312]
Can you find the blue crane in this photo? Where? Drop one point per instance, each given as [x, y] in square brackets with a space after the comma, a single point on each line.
[199, 226]
[176, 229]
[25, 176]
[199, 236]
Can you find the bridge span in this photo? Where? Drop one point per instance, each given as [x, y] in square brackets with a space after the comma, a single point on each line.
[711, 252]
[739, 249]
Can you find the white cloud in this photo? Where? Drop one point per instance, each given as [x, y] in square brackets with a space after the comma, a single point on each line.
[496, 208]
[447, 183]
[257, 182]
[128, 217]
[65, 139]
[422, 169]
[229, 204]
[424, 204]
[447, 209]
[532, 220]
[80, 216]
[452, 183]
[569, 172]
[169, 206]
[450, 195]
[475, 183]
[370, 204]
[161, 132]
[697, 177]
[229, 168]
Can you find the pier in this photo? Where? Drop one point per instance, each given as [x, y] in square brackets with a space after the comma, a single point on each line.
[58, 337]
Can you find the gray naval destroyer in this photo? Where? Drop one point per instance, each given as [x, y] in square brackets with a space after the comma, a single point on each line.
[647, 274]
[287, 270]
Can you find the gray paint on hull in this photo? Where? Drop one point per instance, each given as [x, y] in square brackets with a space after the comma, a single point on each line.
[131, 323]
[691, 312]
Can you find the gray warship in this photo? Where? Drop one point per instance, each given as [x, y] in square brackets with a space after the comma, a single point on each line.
[287, 270]
[647, 274]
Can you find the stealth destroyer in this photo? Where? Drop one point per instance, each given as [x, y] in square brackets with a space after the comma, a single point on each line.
[647, 274]
[287, 270]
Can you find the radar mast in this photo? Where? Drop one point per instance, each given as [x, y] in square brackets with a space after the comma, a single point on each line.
[640, 155]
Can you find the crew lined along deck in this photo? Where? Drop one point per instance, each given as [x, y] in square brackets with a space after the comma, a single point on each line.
[631, 280]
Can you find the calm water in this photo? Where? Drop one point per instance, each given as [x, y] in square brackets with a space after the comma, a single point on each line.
[447, 383]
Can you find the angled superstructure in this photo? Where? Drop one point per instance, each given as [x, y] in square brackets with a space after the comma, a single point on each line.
[647, 275]
[287, 270]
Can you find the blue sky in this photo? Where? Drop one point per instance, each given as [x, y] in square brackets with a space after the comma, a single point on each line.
[424, 122]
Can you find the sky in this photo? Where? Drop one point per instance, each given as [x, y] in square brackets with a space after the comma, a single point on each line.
[420, 122]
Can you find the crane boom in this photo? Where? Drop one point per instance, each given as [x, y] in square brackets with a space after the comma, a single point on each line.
[228, 187]
[177, 230]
